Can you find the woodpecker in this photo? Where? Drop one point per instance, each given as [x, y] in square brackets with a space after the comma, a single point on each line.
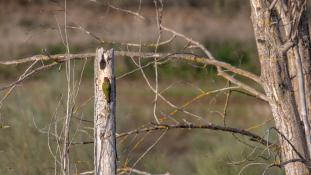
[106, 87]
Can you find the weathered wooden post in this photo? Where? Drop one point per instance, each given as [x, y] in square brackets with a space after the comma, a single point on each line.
[104, 119]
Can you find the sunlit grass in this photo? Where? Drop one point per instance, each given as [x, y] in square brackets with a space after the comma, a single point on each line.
[31, 110]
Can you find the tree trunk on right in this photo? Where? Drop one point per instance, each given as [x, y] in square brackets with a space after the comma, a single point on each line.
[280, 27]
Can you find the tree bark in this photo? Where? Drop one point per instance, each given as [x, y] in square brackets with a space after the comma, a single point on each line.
[276, 71]
[104, 119]
[304, 48]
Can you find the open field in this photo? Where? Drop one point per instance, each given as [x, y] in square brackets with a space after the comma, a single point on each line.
[29, 113]
[36, 109]
[25, 27]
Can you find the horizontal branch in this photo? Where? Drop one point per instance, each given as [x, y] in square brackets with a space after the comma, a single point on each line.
[182, 56]
[128, 170]
[125, 170]
[252, 136]
[59, 58]
[282, 164]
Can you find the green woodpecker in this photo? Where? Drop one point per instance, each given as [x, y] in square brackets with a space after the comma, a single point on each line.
[106, 87]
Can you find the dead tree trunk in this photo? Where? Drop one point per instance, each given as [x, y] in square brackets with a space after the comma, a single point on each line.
[104, 119]
[281, 35]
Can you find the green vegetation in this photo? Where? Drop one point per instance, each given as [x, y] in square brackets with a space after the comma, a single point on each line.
[30, 112]
[32, 109]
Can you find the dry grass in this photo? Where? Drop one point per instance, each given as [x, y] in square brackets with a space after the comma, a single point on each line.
[24, 149]
[23, 28]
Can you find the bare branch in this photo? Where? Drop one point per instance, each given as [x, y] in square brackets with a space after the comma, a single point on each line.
[136, 171]
[31, 73]
[288, 141]
[127, 44]
[252, 136]
[182, 56]
[127, 11]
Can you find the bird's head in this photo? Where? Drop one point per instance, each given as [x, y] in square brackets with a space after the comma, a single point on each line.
[106, 80]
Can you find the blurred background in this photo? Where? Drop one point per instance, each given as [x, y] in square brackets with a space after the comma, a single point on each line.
[37, 107]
